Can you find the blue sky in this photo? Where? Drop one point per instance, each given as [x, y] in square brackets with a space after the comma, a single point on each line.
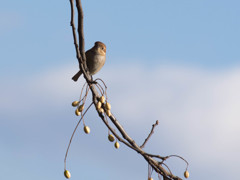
[183, 57]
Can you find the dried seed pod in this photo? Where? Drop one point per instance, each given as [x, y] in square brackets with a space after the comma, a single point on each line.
[99, 104]
[80, 108]
[101, 110]
[107, 106]
[186, 174]
[108, 112]
[102, 99]
[67, 174]
[117, 145]
[75, 103]
[77, 112]
[111, 138]
[86, 129]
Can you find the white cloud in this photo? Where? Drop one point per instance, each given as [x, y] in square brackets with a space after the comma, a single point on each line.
[198, 110]
[200, 107]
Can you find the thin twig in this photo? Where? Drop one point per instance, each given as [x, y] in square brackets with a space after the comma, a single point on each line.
[150, 134]
[70, 141]
[178, 157]
[100, 88]
[105, 91]
[82, 92]
[74, 33]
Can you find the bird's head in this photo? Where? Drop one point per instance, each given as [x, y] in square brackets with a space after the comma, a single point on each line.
[100, 47]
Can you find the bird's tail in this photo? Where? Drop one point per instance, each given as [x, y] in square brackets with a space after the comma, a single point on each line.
[76, 76]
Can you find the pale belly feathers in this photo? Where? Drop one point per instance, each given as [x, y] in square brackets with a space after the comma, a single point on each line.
[95, 64]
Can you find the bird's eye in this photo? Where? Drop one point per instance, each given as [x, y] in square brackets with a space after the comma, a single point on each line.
[102, 48]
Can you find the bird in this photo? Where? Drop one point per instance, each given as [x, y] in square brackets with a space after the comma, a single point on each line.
[95, 57]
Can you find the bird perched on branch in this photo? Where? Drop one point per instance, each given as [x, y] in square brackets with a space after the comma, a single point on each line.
[95, 57]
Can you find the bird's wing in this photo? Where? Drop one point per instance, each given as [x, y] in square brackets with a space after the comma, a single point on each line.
[88, 54]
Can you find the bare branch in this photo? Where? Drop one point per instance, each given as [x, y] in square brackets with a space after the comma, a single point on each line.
[65, 159]
[80, 53]
[150, 134]
[74, 32]
[80, 32]
[125, 139]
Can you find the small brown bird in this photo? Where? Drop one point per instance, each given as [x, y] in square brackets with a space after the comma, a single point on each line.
[96, 57]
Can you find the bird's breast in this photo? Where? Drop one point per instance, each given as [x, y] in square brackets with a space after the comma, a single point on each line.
[95, 63]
